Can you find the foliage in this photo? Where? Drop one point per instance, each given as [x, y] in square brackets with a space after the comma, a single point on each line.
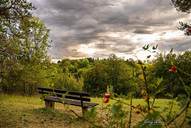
[68, 82]
[23, 47]
[182, 5]
[95, 80]
[11, 14]
[185, 27]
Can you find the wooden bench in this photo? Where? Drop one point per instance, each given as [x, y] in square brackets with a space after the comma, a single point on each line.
[76, 98]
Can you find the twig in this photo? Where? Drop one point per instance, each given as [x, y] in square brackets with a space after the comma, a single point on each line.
[180, 113]
[130, 113]
[75, 114]
[185, 107]
[146, 86]
[184, 72]
[184, 118]
[163, 119]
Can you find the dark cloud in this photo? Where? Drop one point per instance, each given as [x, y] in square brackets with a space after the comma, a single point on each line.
[115, 45]
[142, 31]
[75, 22]
[182, 46]
[177, 44]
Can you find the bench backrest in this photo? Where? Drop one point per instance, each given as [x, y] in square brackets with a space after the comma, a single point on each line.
[72, 95]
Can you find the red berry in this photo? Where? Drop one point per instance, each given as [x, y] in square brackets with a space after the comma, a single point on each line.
[173, 69]
[105, 100]
[188, 29]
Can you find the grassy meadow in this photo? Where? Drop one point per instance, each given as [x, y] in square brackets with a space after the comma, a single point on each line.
[29, 112]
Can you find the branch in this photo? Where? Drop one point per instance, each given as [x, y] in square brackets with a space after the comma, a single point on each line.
[180, 113]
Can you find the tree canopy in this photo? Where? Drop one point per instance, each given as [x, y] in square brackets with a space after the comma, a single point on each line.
[23, 42]
[182, 5]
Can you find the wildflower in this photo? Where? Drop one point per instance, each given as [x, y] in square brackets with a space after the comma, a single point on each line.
[173, 69]
[106, 97]
[105, 100]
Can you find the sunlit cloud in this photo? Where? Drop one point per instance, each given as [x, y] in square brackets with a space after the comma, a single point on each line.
[87, 50]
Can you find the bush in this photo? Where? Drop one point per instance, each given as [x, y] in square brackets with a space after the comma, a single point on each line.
[68, 82]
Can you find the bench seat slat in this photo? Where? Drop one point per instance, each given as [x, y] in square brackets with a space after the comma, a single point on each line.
[78, 103]
[71, 102]
[67, 97]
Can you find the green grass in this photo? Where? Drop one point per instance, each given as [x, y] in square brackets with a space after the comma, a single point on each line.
[29, 112]
[20, 111]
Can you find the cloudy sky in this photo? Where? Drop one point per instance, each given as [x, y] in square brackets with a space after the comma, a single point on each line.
[98, 28]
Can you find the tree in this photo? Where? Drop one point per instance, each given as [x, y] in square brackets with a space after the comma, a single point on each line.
[33, 43]
[182, 5]
[11, 13]
[119, 75]
[23, 44]
[95, 79]
[184, 64]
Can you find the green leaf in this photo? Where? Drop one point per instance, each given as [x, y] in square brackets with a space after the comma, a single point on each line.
[146, 47]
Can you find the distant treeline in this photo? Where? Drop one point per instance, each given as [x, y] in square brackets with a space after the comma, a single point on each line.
[97, 75]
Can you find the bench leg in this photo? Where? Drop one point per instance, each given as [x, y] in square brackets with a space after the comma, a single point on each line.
[84, 110]
[49, 104]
